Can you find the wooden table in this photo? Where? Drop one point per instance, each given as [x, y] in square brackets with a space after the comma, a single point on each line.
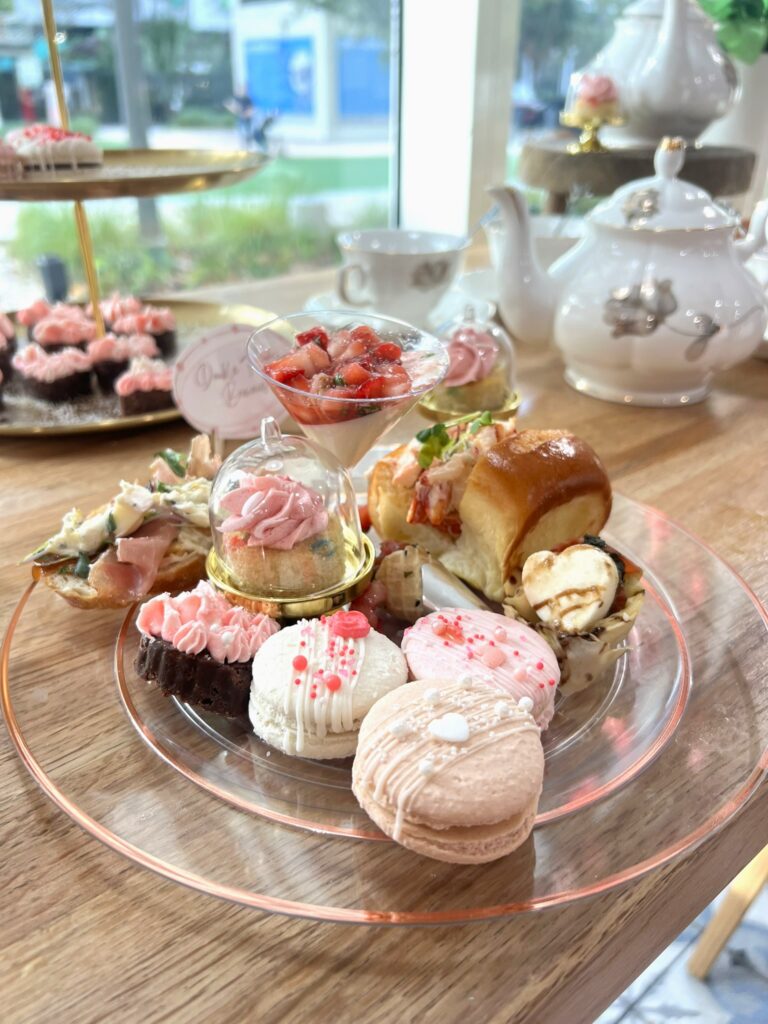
[88, 937]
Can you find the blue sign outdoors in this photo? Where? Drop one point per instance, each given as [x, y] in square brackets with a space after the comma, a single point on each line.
[281, 75]
[363, 77]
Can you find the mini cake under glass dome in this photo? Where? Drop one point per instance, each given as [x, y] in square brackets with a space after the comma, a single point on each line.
[286, 529]
[481, 372]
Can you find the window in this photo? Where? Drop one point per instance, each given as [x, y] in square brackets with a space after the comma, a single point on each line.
[311, 82]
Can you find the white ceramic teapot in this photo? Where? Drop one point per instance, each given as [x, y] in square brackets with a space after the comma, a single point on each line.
[672, 76]
[652, 301]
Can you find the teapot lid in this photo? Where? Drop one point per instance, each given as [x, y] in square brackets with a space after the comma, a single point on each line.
[663, 202]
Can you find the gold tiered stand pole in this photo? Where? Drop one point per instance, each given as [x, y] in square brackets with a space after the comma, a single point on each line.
[83, 231]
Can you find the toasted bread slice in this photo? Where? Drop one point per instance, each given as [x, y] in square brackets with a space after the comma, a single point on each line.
[182, 567]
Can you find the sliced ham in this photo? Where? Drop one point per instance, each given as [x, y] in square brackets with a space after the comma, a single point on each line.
[127, 571]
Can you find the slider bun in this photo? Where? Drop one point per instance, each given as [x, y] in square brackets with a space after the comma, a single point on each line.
[534, 490]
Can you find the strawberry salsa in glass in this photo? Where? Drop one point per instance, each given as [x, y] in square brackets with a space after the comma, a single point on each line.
[346, 382]
[351, 363]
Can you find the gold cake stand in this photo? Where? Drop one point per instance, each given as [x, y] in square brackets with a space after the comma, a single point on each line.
[133, 172]
[138, 172]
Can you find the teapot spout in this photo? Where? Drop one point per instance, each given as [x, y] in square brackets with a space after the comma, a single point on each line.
[756, 235]
[526, 293]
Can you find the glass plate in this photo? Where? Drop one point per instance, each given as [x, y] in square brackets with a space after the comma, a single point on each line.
[22, 416]
[661, 757]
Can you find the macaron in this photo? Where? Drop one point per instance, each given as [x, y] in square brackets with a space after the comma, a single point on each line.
[501, 652]
[450, 770]
[311, 691]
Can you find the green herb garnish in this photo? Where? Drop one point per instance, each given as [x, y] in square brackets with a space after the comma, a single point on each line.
[484, 420]
[434, 441]
[338, 381]
[175, 462]
[82, 566]
[162, 488]
[111, 523]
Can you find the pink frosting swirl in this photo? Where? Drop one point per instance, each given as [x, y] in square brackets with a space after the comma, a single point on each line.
[200, 619]
[6, 328]
[275, 511]
[118, 305]
[125, 347]
[596, 89]
[33, 362]
[31, 314]
[151, 320]
[59, 328]
[144, 375]
[472, 357]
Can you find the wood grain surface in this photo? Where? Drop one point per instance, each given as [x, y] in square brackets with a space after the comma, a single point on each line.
[89, 937]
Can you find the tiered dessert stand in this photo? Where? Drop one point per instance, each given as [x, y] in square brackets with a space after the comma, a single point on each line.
[139, 173]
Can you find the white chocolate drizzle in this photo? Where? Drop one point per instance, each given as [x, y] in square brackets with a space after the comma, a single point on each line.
[398, 769]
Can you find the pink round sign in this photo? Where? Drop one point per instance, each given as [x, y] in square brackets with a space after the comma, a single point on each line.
[215, 387]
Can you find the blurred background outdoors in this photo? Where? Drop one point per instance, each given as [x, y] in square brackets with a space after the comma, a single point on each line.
[310, 82]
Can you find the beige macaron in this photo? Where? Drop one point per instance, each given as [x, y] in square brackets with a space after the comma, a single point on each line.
[311, 690]
[451, 770]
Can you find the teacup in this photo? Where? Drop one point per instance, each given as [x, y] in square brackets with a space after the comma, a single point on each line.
[398, 272]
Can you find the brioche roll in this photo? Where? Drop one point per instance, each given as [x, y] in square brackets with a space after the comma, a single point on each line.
[532, 491]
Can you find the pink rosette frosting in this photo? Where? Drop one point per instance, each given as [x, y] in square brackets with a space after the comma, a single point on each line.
[66, 328]
[6, 328]
[275, 511]
[597, 89]
[114, 349]
[30, 316]
[33, 362]
[151, 320]
[118, 305]
[200, 619]
[144, 375]
[472, 357]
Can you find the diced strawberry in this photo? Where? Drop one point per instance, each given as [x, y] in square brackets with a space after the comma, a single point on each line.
[337, 346]
[372, 388]
[318, 335]
[365, 334]
[388, 351]
[354, 373]
[309, 360]
[356, 348]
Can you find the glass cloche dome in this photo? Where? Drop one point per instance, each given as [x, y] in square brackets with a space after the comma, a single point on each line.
[481, 372]
[285, 525]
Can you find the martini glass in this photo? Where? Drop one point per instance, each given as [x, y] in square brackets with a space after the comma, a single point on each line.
[348, 420]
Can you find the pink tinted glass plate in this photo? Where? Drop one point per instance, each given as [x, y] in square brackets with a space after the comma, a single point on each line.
[670, 746]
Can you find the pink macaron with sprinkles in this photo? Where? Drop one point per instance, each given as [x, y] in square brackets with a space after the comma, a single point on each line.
[509, 656]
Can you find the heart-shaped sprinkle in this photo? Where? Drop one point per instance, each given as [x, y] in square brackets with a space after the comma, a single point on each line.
[575, 587]
[451, 728]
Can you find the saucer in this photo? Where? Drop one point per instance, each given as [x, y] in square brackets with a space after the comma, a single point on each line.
[452, 305]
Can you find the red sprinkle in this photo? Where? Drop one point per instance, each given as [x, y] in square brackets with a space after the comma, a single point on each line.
[541, 686]
[551, 682]
[333, 683]
[470, 655]
[299, 662]
[539, 665]
[297, 681]
[303, 643]
[313, 696]
[516, 653]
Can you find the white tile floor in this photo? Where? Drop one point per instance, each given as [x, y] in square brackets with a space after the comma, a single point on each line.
[736, 991]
